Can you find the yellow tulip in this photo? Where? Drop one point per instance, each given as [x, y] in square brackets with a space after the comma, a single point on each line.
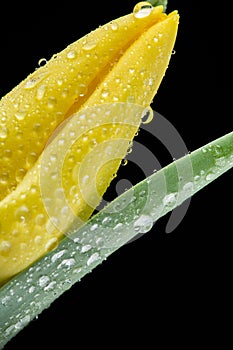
[99, 86]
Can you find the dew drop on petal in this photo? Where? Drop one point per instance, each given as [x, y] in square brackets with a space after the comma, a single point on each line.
[42, 62]
[88, 46]
[51, 244]
[147, 115]
[114, 26]
[22, 214]
[20, 115]
[142, 9]
[40, 92]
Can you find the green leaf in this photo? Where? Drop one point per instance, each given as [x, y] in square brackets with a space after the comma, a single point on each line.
[159, 2]
[134, 212]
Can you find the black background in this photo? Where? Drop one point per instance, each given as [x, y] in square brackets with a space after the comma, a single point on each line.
[162, 288]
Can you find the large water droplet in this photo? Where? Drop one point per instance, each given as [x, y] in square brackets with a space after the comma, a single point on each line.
[51, 244]
[142, 9]
[42, 62]
[147, 115]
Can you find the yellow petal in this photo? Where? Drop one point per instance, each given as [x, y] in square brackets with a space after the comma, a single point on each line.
[33, 109]
[75, 169]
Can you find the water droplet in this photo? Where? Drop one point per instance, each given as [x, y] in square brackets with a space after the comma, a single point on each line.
[58, 255]
[150, 81]
[42, 62]
[221, 162]
[188, 187]
[210, 176]
[105, 93]
[22, 323]
[114, 26]
[197, 178]
[71, 54]
[43, 281]
[170, 199]
[19, 175]
[22, 214]
[31, 83]
[4, 177]
[67, 263]
[31, 289]
[173, 52]
[124, 162]
[3, 132]
[156, 39]
[94, 227]
[51, 244]
[131, 70]
[94, 257]
[142, 9]
[5, 247]
[40, 92]
[50, 286]
[143, 224]
[118, 226]
[31, 159]
[147, 115]
[89, 45]
[37, 239]
[52, 102]
[82, 90]
[85, 248]
[7, 153]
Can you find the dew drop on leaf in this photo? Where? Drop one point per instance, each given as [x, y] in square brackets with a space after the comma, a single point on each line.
[143, 224]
